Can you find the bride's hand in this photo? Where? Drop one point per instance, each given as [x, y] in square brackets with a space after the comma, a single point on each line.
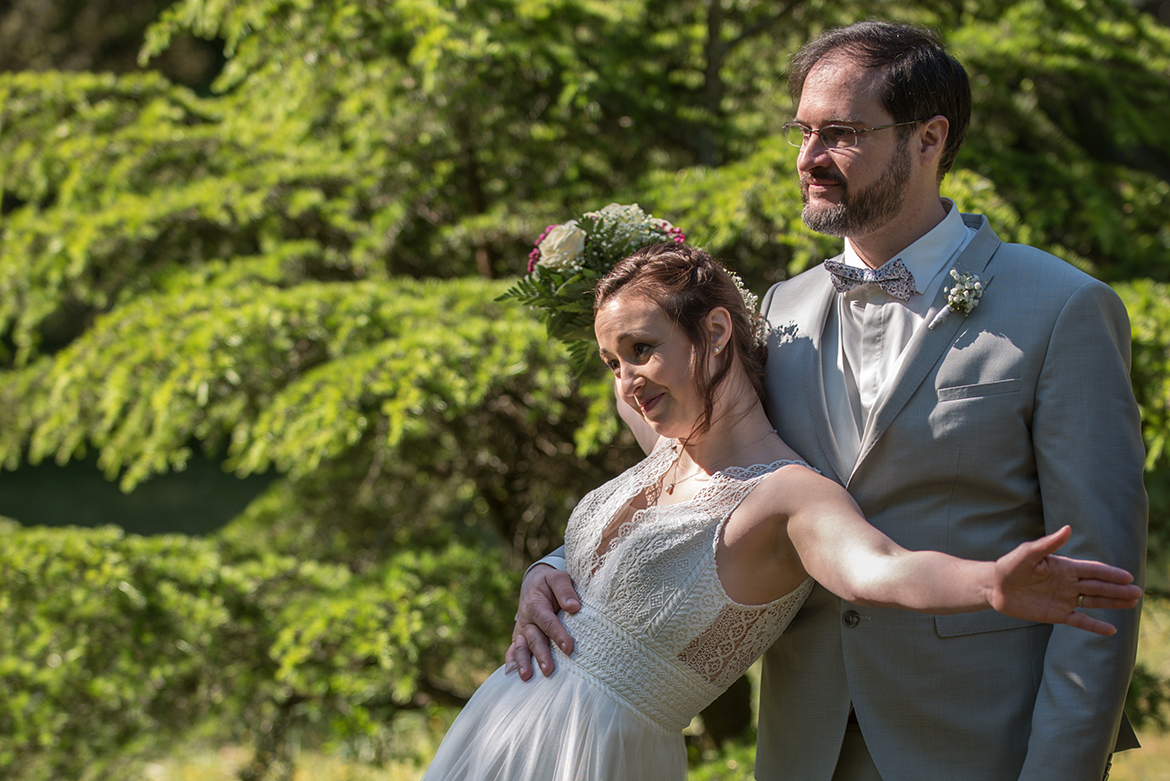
[1032, 584]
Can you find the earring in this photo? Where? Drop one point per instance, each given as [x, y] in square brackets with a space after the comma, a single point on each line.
[717, 349]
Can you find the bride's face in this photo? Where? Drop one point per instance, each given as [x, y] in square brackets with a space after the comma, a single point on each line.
[651, 363]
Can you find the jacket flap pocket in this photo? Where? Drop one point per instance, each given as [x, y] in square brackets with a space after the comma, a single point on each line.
[975, 623]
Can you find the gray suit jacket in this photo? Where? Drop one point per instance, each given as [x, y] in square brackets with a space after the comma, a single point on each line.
[1001, 426]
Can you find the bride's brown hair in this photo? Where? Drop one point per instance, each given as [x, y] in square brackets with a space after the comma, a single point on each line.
[687, 283]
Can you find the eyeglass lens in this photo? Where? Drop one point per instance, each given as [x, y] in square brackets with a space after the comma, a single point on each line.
[832, 136]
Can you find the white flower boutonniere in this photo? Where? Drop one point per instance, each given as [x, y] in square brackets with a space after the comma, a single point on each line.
[962, 297]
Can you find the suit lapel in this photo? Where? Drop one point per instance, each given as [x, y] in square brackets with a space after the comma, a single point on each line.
[814, 313]
[928, 344]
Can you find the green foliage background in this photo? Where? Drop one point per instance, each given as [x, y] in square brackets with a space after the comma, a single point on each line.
[294, 266]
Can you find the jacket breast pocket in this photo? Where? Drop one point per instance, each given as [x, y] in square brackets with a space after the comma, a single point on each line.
[979, 390]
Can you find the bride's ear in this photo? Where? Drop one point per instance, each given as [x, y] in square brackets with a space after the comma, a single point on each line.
[718, 322]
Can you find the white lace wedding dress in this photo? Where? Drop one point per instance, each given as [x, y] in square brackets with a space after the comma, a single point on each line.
[656, 640]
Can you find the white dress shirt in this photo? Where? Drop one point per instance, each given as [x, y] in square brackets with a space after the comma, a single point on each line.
[867, 331]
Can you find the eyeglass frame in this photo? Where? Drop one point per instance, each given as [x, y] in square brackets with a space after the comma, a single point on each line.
[808, 131]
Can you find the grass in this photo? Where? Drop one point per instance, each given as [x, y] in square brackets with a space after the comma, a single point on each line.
[200, 763]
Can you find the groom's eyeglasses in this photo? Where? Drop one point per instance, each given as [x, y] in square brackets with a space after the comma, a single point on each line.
[832, 136]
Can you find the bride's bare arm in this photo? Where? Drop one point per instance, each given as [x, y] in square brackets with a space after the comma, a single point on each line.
[851, 558]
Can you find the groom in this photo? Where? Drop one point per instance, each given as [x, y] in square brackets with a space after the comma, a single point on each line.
[965, 430]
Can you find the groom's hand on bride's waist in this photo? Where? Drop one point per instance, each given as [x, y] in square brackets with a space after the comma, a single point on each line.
[545, 590]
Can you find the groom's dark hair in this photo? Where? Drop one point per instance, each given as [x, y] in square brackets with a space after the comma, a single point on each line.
[687, 283]
[921, 79]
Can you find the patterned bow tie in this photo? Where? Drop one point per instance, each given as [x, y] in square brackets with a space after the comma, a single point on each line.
[894, 278]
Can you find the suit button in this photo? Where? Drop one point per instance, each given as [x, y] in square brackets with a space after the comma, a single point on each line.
[850, 618]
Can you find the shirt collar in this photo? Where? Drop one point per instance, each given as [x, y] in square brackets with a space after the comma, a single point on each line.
[927, 256]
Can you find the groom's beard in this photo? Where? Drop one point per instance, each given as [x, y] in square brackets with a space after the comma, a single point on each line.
[863, 211]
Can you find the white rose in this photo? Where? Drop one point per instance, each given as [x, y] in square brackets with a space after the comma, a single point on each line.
[561, 248]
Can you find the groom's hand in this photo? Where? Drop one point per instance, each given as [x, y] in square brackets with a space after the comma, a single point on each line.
[545, 590]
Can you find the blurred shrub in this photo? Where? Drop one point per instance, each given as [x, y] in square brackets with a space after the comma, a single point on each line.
[1148, 303]
[116, 645]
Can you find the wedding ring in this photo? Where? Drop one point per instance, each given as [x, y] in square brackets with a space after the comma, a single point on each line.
[1081, 600]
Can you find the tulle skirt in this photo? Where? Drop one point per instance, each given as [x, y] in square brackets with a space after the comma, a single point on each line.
[566, 727]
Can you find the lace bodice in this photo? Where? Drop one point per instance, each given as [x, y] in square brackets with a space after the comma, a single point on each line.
[655, 626]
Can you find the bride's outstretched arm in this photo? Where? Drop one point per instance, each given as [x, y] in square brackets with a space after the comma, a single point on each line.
[857, 562]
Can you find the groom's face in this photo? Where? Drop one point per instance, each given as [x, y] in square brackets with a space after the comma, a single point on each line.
[855, 191]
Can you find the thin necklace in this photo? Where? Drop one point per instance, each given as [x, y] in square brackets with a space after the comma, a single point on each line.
[674, 466]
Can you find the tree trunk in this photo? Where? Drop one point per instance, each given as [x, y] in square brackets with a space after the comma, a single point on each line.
[730, 715]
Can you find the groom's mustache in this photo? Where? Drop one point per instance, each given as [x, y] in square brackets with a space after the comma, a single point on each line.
[824, 175]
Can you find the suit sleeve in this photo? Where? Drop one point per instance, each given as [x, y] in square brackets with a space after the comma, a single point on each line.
[767, 302]
[556, 560]
[1086, 434]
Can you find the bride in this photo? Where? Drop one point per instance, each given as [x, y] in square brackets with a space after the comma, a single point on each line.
[691, 563]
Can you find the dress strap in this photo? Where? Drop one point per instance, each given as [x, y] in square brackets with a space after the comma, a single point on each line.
[759, 470]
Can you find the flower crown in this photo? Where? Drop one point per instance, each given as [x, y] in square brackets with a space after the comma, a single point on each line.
[568, 259]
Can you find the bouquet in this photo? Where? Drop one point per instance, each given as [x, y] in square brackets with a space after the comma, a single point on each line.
[569, 259]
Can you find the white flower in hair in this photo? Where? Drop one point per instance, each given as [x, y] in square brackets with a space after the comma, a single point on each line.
[561, 247]
[570, 257]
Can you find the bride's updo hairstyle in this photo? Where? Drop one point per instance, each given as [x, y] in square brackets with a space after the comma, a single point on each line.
[687, 283]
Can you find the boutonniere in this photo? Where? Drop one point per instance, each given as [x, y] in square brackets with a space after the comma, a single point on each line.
[962, 297]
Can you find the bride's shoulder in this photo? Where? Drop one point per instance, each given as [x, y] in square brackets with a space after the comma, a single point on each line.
[788, 486]
[786, 466]
[760, 523]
